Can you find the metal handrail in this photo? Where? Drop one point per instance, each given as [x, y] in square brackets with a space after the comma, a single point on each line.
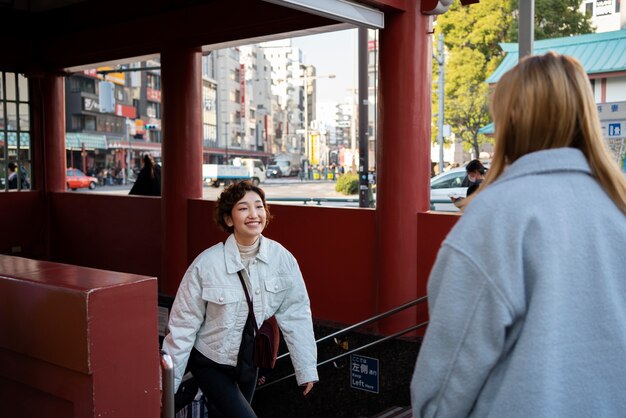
[320, 200]
[358, 325]
[167, 382]
[367, 321]
[317, 200]
[373, 343]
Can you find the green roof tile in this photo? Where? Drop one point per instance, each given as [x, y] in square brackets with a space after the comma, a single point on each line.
[598, 52]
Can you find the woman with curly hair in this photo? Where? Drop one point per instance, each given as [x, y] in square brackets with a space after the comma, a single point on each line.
[210, 324]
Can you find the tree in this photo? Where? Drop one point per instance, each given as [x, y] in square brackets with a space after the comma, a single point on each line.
[554, 19]
[472, 36]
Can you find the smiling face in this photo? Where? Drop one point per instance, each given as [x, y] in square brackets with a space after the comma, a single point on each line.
[248, 218]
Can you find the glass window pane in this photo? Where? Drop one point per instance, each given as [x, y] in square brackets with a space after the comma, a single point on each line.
[10, 85]
[1, 115]
[3, 175]
[24, 140]
[1, 86]
[25, 176]
[3, 145]
[11, 117]
[24, 117]
[23, 85]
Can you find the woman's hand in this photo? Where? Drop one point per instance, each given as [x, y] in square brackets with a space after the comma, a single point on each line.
[307, 388]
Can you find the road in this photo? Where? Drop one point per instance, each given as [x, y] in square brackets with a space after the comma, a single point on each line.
[284, 188]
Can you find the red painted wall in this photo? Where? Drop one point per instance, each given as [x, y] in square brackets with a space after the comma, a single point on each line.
[432, 229]
[119, 233]
[23, 223]
[77, 342]
[335, 247]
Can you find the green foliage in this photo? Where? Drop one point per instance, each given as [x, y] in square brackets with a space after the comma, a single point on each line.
[472, 35]
[347, 184]
[555, 19]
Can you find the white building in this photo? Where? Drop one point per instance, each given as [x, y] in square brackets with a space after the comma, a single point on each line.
[287, 84]
[256, 98]
[606, 15]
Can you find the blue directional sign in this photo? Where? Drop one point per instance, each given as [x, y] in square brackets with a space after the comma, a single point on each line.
[615, 129]
[364, 373]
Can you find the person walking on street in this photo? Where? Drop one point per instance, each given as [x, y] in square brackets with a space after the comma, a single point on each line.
[148, 180]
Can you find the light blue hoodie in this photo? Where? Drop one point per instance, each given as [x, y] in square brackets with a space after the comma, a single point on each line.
[528, 300]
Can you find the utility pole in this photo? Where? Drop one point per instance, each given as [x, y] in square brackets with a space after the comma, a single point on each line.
[526, 32]
[440, 113]
[364, 184]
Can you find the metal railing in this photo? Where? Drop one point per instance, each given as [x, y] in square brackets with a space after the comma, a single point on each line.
[355, 326]
[167, 386]
[318, 200]
[167, 366]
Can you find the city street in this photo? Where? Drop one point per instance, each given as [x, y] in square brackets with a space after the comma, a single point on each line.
[292, 190]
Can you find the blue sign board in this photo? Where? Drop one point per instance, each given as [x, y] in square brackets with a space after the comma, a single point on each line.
[615, 129]
[364, 373]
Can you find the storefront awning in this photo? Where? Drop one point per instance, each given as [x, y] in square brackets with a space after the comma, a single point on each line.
[12, 139]
[75, 140]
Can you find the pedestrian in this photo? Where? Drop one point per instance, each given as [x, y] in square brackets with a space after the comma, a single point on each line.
[210, 325]
[12, 179]
[148, 181]
[527, 315]
[475, 173]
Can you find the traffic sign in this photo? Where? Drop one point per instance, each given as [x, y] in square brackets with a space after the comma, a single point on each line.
[364, 373]
[615, 129]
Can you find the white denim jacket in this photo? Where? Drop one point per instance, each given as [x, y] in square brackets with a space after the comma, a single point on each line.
[210, 309]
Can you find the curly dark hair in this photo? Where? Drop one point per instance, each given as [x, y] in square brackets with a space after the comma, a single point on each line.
[229, 198]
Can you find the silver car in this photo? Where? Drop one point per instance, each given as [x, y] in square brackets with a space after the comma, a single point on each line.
[445, 186]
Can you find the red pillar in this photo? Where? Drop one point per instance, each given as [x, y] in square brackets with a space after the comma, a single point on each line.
[403, 155]
[181, 154]
[53, 116]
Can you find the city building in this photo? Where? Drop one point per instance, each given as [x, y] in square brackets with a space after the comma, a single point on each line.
[606, 15]
[605, 66]
[113, 116]
[286, 69]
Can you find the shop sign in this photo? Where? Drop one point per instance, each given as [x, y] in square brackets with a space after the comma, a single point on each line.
[604, 7]
[125, 110]
[90, 104]
[153, 95]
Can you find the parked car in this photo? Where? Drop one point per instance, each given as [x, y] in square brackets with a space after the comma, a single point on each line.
[446, 185]
[274, 171]
[76, 179]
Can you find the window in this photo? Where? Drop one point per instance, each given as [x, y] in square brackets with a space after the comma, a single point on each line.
[153, 81]
[617, 6]
[589, 9]
[449, 181]
[15, 152]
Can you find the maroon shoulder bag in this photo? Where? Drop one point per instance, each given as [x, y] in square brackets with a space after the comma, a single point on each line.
[266, 338]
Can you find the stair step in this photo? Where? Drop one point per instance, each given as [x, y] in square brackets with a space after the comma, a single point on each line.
[395, 412]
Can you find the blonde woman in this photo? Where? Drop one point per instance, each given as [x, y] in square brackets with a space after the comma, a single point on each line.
[532, 322]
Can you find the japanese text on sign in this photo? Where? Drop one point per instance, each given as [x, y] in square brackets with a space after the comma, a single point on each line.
[364, 373]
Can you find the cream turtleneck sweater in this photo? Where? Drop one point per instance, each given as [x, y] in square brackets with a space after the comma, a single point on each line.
[248, 252]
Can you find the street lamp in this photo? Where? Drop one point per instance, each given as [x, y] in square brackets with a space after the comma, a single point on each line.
[306, 108]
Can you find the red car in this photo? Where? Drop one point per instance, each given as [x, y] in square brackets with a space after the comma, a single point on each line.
[76, 179]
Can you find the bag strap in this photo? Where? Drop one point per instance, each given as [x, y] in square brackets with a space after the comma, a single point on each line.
[245, 290]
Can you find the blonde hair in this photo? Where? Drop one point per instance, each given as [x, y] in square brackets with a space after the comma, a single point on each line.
[546, 102]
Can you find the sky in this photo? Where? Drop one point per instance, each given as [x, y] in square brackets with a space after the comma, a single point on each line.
[331, 53]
